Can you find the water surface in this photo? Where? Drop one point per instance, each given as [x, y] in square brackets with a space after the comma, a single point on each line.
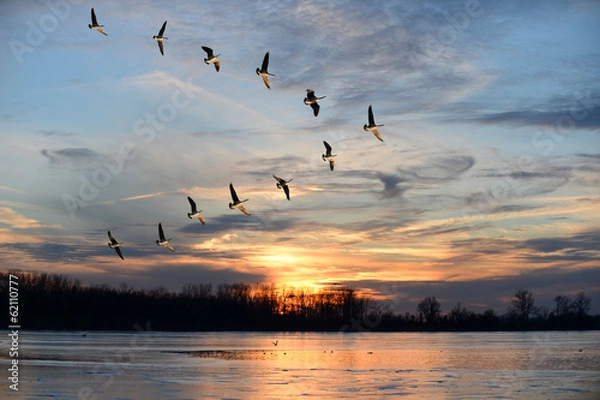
[232, 365]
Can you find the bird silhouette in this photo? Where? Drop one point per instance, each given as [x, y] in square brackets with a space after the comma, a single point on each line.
[312, 101]
[372, 126]
[263, 71]
[195, 213]
[211, 58]
[95, 25]
[113, 244]
[237, 203]
[283, 184]
[328, 156]
[162, 240]
[159, 38]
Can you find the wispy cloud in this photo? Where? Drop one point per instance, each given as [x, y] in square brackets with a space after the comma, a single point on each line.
[15, 220]
[9, 189]
[71, 158]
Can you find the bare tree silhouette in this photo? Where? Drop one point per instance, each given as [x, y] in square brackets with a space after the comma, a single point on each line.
[522, 306]
[430, 309]
[581, 306]
[564, 306]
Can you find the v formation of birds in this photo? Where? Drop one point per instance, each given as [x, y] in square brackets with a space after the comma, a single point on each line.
[311, 100]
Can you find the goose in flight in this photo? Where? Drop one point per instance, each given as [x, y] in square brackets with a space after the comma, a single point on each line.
[372, 126]
[195, 213]
[163, 241]
[283, 184]
[113, 244]
[211, 58]
[94, 24]
[328, 156]
[237, 203]
[311, 100]
[159, 38]
[264, 71]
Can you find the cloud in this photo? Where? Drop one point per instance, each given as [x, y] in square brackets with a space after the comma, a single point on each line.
[71, 158]
[578, 111]
[9, 189]
[265, 166]
[590, 155]
[434, 171]
[555, 119]
[235, 223]
[15, 220]
[582, 246]
[173, 276]
[443, 168]
[513, 208]
[490, 293]
[390, 185]
[47, 252]
[47, 132]
[137, 197]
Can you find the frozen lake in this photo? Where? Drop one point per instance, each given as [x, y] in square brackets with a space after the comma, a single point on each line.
[247, 365]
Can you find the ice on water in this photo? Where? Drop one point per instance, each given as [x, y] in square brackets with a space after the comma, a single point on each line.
[161, 365]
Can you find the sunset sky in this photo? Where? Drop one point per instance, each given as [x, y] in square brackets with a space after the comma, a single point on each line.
[487, 180]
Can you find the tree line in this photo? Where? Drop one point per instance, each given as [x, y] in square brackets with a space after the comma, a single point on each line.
[60, 302]
[522, 313]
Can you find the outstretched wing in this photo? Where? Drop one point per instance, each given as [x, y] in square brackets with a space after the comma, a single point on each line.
[315, 106]
[234, 195]
[371, 118]
[209, 51]
[168, 246]
[161, 47]
[112, 239]
[118, 250]
[243, 209]
[265, 63]
[217, 65]
[331, 162]
[201, 219]
[161, 234]
[266, 81]
[327, 148]
[286, 189]
[94, 21]
[376, 133]
[162, 30]
[193, 205]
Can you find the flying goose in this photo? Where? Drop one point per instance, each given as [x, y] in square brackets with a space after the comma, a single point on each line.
[311, 100]
[372, 126]
[283, 184]
[264, 71]
[159, 38]
[211, 58]
[113, 244]
[328, 156]
[195, 213]
[94, 24]
[237, 203]
[163, 241]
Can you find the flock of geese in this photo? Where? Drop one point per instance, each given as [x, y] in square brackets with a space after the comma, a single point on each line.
[311, 100]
